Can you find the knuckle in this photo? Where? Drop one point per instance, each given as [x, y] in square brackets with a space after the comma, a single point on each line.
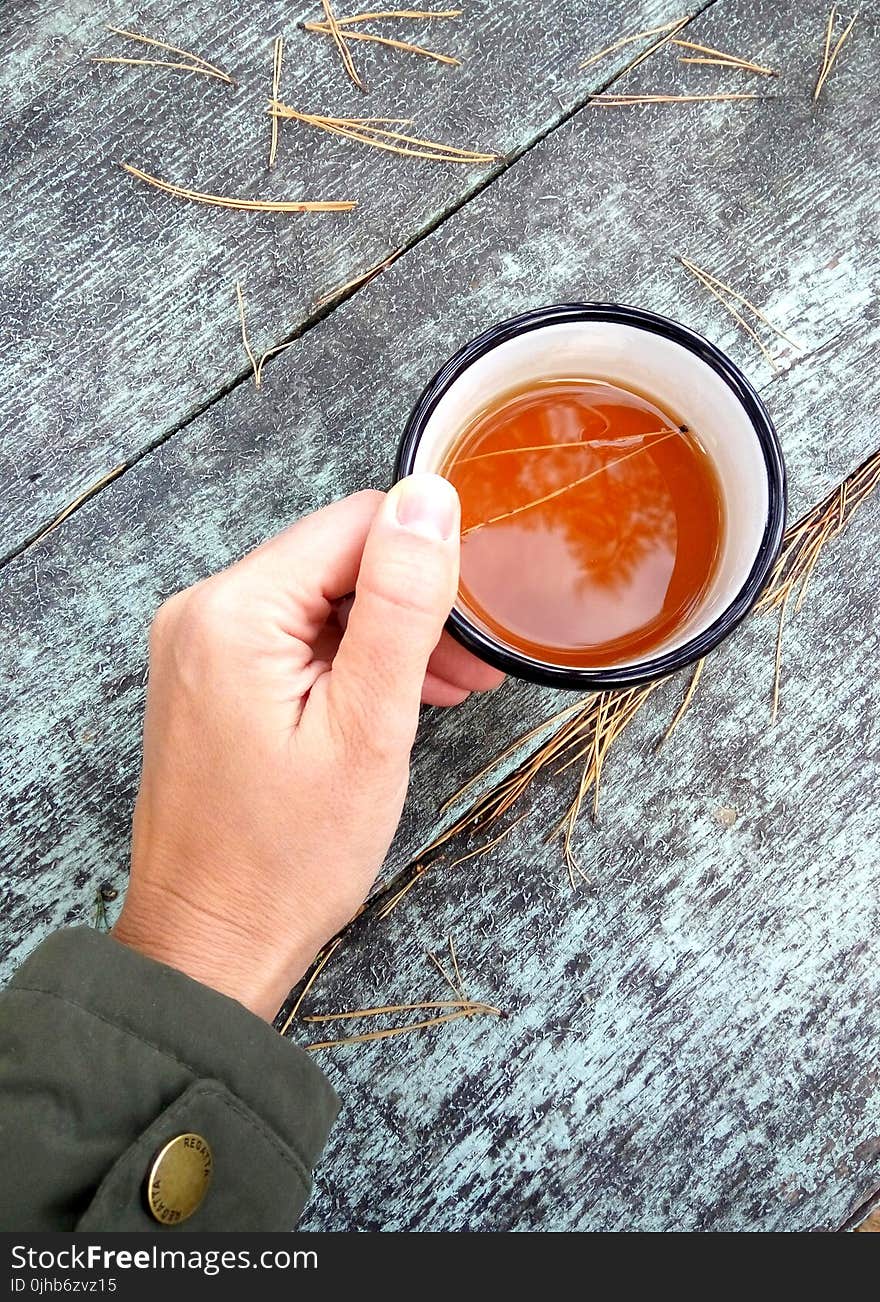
[212, 605]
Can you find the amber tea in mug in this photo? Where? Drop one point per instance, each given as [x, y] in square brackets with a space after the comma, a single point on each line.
[622, 490]
[592, 521]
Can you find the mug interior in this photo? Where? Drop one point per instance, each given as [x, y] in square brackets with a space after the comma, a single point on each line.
[679, 381]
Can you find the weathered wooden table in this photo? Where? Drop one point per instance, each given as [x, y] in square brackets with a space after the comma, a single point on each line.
[692, 1042]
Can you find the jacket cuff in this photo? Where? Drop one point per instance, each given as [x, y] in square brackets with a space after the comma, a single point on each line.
[210, 1066]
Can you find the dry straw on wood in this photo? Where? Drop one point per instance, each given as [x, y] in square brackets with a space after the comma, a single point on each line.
[242, 205]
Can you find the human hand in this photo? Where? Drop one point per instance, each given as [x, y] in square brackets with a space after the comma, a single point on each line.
[276, 746]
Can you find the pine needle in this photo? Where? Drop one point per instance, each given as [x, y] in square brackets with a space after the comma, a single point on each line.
[804, 541]
[829, 56]
[490, 845]
[339, 42]
[244, 335]
[171, 49]
[777, 664]
[406, 46]
[583, 444]
[722, 57]
[683, 708]
[728, 289]
[400, 13]
[576, 483]
[78, 502]
[161, 63]
[425, 1006]
[322, 961]
[629, 41]
[471, 1011]
[456, 989]
[618, 101]
[419, 871]
[455, 967]
[242, 205]
[367, 133]
[277, 58]
[737, 316]
[461, 1006]
[357, 281]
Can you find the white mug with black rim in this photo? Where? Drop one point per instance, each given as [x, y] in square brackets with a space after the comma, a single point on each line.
[683, 373]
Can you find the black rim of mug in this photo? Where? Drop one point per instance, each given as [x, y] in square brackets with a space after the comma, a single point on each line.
[517, 663]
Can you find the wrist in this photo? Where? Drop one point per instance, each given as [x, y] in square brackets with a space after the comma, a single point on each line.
[229, 959]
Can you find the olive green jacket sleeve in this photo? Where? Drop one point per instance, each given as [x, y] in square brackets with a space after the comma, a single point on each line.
[105, 1056]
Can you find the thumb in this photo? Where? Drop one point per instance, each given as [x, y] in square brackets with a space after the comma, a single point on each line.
[405, 589]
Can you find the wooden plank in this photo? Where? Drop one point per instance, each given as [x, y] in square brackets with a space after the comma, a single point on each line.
[735, 961]
[119, 312]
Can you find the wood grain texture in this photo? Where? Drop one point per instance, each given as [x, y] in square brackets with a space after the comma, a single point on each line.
[692, 1045]
[119, 316]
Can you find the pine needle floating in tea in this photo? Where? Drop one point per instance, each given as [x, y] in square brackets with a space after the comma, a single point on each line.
[669, 28]
[575, 483]
[707, 54]
[375, 132]
[829, 55]
[241, 205]
[195, 62]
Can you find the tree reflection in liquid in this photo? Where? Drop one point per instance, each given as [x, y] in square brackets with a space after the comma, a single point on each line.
[608, 567]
